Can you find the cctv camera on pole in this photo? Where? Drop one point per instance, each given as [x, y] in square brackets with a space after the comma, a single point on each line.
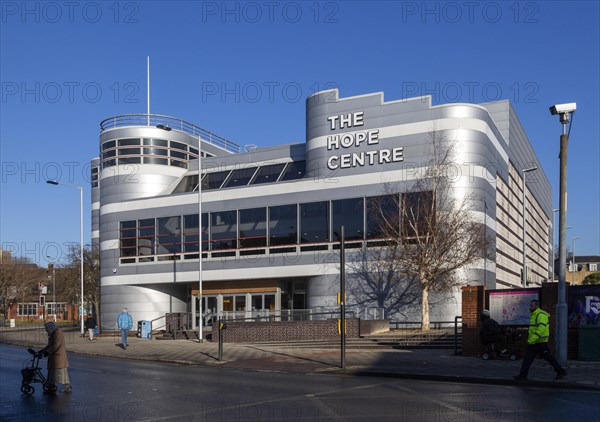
[564, 111]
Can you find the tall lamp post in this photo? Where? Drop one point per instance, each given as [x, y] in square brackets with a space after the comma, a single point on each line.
[552, 266]
[201, 301]
[56, 183]
[573, 263]
[524, 263]
[53, 287]
[564, 111]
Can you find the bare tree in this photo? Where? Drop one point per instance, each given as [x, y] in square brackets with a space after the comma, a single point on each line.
[19, 280]
[71, 276]
[376, 276]
[436, 234]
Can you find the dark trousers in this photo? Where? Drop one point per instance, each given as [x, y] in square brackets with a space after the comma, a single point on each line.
[542, 350]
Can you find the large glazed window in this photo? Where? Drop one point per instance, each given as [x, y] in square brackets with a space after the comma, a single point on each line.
[223, 229]
[295, 170]
[268, 174]
[169, 235]
[146, 151]
[350, 214]
[146, 238]
[240, 177]
[383, 216]
[190, 233]
[314, 218]
[187, 184]
[214, 180]
[128, 238]
[283, 225]
[253, 227]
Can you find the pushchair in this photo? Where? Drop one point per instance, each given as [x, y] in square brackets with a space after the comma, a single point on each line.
[32, 373]
[501, 346]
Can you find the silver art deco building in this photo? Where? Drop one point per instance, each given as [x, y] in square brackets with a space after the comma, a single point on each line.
[270, 216]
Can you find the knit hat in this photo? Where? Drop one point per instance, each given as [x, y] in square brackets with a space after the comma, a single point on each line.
[50, 326]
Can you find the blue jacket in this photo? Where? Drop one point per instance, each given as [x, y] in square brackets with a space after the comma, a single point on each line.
[124, 321]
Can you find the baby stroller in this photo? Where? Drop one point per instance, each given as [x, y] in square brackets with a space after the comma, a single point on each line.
[32, 373]
[501, 346]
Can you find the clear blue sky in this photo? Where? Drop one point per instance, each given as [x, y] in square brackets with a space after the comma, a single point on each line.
[243, 70]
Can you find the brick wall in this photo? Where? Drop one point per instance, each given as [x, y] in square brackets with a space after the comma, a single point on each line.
[250, 332]
[472, 305]
[473, 302]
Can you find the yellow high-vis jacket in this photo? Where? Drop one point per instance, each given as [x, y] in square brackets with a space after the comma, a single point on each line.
[539, 327]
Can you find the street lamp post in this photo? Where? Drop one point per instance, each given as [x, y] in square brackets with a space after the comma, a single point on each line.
[524, 263]
[56, 183]
[573, 263]
[53, 288]
[564, 111]
[200, 295]
[554, 211]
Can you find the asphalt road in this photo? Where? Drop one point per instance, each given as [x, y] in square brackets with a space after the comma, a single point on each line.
[125, 390]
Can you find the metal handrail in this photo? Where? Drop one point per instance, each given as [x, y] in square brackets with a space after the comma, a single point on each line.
[282, 314]
[417, 324]
[168, 122]
[456, 318]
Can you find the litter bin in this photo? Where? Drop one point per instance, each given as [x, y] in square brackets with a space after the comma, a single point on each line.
[146, 329]
[589, 343]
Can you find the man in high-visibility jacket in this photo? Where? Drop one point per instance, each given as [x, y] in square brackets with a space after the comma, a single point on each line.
[537, 342]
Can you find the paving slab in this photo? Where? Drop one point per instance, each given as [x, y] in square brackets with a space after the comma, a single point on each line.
[431, 364]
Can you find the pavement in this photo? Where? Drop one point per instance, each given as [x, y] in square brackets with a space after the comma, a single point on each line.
[422, 364]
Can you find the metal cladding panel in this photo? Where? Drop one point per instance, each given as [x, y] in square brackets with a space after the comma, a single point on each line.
[360, 135]
[521, 152]
[142, 302]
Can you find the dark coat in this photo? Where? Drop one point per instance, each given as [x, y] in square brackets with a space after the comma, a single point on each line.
[57, 351]
[90, 322]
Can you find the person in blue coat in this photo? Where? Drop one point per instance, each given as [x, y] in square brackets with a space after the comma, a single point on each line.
[125, 323]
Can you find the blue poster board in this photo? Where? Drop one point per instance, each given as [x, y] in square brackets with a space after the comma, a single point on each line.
[584, 306]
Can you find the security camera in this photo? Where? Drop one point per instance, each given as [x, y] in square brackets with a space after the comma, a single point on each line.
[563, 108]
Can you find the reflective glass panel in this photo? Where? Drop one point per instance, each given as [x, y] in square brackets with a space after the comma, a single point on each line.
[240, 177]
[283, 222]
[187, 184]
[314, 219]
[253, 227]
[190, 233]
[125, 142]
[383, 214]
[109, 144]
[295, 170]
[268, 174]
[350, 214]
[178, 145]
[169, 235]
[223, 230]
[214, 180]
[127, 238]
[146, 233]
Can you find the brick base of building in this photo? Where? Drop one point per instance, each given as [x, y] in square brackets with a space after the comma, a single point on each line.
[251, 332]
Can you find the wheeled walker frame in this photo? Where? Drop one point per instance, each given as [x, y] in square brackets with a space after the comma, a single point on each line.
[32, 373]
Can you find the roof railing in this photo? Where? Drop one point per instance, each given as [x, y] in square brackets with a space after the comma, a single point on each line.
[168, 122]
